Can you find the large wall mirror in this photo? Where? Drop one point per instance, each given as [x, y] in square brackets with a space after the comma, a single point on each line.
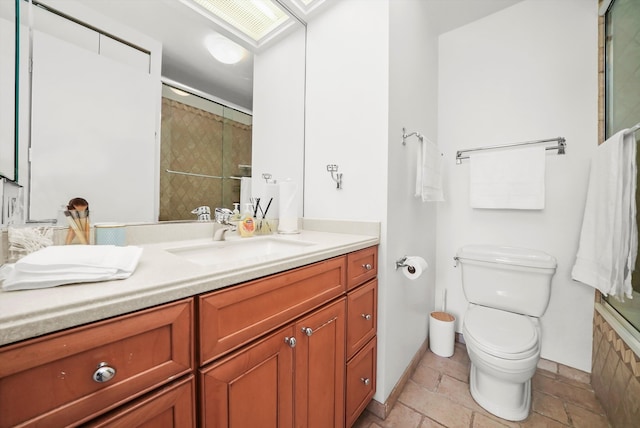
[97, 106]
[8, 138]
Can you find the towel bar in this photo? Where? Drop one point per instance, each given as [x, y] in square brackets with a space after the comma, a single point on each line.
[560, 147]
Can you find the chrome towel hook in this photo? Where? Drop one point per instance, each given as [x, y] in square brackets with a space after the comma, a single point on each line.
[405, 136]
[338, 178]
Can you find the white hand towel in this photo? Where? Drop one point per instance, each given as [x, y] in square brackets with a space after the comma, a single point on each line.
[508, 179]
[429, 172]
[67, 264]
[609, 236]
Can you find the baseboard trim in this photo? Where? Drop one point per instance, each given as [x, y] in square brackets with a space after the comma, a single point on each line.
[382, 410]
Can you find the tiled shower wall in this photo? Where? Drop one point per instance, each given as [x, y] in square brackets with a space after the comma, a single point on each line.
[615, 370]
[615, 375]
[199, 142]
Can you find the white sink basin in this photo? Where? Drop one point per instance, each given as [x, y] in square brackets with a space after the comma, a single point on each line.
[240, 251]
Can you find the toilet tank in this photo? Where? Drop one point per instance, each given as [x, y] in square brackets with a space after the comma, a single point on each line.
[508, 278]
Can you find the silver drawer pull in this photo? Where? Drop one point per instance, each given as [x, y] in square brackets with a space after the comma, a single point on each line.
[365, 380]
[291, 341]
[366, 316]
[104, 373]
[367, 266]
[307, 330]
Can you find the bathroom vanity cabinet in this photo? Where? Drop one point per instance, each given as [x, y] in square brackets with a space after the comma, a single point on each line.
[70, 377]
[297, 348]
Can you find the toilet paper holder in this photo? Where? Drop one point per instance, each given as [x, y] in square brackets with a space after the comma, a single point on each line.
[400, 263]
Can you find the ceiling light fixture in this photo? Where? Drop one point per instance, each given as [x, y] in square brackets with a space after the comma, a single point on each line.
[223, 49]
[254, 18]
[179, 92]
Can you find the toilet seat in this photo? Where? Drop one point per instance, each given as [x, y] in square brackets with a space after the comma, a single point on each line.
[501, 334]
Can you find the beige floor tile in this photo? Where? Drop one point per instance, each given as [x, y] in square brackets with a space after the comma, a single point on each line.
[584, 418]
[484, 421]
[426, 376]
[437, 395]
[544, 373]
[435, 406]
[460, 355]
[447, 366]
[549, 406]
[401, 417]
[568, 393]
[536, 420]
[365, 420]
[458, 391]
[429, 423]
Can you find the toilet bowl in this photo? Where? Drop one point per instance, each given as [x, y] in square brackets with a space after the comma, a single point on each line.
[504, 349]
[508, 289]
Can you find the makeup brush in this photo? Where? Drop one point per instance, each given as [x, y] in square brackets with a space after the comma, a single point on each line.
[74, 229]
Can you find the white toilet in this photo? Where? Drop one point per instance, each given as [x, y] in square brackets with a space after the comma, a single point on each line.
[508, 289]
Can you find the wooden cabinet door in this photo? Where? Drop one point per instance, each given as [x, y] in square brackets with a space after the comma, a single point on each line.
[170, 407]
[252, 387]
[320, 368]
[361, 381]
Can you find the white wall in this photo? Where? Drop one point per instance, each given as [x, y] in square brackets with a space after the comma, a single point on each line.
[278, 113]
[411, 223]
[346, 111]
[366, 79]
[528, 72]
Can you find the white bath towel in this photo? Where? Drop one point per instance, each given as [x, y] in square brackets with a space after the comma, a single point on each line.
[429, 172]
[67, 264]
[609, 237]
[510, 179]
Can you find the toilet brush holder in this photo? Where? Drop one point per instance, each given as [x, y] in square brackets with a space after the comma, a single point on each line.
[442, 333]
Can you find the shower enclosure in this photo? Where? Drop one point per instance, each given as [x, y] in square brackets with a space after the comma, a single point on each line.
[205, 150]
[622, 105]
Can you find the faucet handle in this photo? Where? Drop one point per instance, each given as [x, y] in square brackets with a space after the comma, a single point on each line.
[203, 213]
[223, 215]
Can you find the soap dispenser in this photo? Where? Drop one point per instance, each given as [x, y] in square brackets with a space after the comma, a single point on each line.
[247, 224]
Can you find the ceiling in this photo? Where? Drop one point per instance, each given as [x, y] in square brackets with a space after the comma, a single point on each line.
[186, 60]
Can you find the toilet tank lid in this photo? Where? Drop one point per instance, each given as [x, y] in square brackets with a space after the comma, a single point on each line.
[507, 255]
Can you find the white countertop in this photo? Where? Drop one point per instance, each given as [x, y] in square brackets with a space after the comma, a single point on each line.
[160, 277]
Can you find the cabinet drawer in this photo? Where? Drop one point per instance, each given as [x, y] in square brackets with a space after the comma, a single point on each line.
[234, 316]
[362, 266]
[362, 305]
[171, 406]
[49, 381]
[361, 381]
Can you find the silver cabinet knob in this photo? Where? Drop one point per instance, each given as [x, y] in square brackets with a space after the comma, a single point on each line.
[367, 266]
[104, 373]
[365, 380]
[307, 330]
[291, 341]
[366, 316]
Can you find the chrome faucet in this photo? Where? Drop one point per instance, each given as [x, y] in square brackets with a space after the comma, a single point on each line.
[223, 216]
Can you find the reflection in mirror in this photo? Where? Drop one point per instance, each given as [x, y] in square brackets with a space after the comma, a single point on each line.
[105, 146]
[205, 151]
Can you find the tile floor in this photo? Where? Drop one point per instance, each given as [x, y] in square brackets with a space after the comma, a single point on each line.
[437, 395]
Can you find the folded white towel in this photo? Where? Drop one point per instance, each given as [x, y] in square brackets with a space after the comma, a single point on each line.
[67, 264]
[429, 172]
[509, 179]
[609, 236]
